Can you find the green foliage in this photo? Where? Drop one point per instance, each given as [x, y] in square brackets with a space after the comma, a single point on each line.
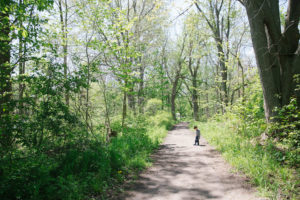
[54, 119]
[286, 131]
[248, 113]
[83, 166]
[269, 163]
[256, 161]
[153, 106]
[158, 124]
[162, 119]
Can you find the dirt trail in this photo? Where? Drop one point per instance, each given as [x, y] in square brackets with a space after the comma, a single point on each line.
[182, 171]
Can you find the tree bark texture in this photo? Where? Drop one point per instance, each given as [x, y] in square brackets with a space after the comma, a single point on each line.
[277, 52]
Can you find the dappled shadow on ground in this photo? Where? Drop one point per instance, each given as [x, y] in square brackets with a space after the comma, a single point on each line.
[186, 171]
[160, 179]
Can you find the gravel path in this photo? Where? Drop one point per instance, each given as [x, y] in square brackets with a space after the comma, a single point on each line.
[182, 171]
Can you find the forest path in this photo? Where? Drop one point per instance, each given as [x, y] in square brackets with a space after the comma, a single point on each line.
[182, 171]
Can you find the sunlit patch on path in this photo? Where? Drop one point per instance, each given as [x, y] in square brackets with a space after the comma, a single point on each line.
[183, 171]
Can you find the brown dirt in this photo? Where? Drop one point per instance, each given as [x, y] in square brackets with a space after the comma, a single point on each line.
[183, 171]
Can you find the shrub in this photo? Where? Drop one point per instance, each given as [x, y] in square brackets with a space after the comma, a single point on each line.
[153, 106]
[286, 129]
[86, 166]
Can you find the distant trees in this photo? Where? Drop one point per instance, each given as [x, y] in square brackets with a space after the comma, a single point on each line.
[124, 42]
[213, 72]
[112, 57]
[218, 16]
[175, 73]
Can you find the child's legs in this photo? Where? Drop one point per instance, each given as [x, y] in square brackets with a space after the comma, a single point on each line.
[197, 140]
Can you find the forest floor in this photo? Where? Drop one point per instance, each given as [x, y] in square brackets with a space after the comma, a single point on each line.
[183, 171]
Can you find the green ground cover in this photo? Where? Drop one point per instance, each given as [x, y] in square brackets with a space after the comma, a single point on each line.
[260, 163]
[86, 167]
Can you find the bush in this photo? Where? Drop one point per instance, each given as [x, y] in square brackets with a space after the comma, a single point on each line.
[84, 167]
[153, 106]
[162, 119]
[286, 131]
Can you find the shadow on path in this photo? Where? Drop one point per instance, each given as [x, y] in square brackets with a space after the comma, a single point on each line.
[183, 171]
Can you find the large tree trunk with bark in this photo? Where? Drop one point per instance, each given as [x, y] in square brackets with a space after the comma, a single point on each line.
[277, 53]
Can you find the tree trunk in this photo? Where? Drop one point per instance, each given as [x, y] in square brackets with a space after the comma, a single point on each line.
[174, 92]
[277, 54]
[87, 100]
[131, 100]
[207, 101]
[124, 110]
[224, 76]
[64, 24]
[194, 73]
[243, 79]
[6, 138]
[5, 68]
[173, 106]
[141, 90]
[107, 118]
[21, 65]
[195, 100]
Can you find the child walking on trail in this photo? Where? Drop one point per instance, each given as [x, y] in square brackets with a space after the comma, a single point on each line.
[197, 135]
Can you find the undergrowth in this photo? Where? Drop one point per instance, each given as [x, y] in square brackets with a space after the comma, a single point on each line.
[266, 153]
[84, 168]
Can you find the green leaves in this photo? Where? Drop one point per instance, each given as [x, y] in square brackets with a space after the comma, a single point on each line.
[286, 130]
